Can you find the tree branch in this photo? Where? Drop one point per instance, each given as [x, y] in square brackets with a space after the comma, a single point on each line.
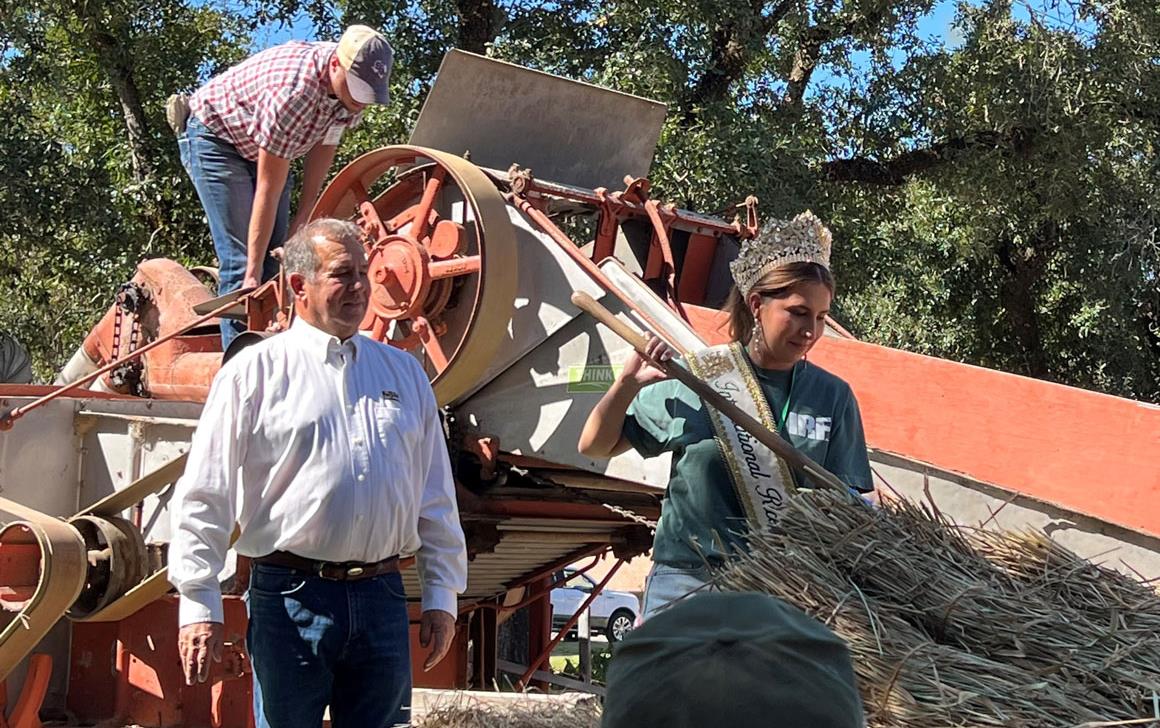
[805, 59]
[1018, 293]
[114, 61]
[730, 50]
[478, 24]
[894, 172]
[810, 48]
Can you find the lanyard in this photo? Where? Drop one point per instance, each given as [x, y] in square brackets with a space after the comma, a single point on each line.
[788, 396]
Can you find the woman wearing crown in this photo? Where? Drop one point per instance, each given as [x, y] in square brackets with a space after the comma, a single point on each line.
[722, 481]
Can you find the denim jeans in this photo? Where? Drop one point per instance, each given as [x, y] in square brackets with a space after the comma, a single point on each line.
[314, 642]
[667, 584]
[225, 183]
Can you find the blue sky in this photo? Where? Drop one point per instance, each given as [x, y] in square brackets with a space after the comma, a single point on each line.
[939, 23]
[936, 25]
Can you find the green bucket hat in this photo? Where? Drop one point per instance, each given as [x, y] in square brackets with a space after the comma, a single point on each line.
[736, 660]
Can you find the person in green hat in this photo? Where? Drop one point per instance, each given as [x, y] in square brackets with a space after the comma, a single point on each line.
[732, 659]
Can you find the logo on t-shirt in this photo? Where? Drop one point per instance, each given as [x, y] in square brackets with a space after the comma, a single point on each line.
[808, 426]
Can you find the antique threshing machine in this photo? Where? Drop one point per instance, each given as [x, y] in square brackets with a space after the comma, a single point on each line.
[472, 272]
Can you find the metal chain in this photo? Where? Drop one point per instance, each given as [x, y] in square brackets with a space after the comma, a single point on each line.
[130, 298]
[134, 332]
[117, 333]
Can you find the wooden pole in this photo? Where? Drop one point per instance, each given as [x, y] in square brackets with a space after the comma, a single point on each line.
[766, 437]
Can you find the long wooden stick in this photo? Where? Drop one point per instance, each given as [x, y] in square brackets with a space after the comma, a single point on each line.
[765, 436]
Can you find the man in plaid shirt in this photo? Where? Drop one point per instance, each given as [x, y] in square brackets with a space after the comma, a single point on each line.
[249, 123]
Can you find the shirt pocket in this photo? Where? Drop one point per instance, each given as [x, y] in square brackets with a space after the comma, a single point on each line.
[393, 424]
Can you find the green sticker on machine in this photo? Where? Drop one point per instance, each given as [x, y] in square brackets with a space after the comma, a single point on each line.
[592, 377]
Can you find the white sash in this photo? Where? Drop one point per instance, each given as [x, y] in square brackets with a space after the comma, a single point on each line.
[762, 480]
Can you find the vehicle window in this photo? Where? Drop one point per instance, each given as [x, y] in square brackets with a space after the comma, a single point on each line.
[577, 581]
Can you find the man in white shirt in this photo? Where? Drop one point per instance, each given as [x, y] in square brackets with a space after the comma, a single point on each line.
[327, 450]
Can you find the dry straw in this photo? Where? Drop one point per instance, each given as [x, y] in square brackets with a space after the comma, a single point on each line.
[947, 625]
[472, 714]
[952, 626]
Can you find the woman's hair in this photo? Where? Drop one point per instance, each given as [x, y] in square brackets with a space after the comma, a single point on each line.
[777, 283]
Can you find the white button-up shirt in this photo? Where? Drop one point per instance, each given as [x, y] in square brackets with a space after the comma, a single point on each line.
[331, 450]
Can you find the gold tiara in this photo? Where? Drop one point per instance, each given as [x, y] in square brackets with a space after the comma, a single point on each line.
[803, 239]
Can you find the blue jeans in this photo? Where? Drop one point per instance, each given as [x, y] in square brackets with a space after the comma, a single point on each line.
[667, 584]
[225, 183]
[314, 642]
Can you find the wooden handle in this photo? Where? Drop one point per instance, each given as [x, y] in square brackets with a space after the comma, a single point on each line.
[765, 436]
[589, 304]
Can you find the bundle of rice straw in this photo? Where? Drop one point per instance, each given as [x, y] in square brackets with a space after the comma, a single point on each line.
[943, 636]
[1105, 595]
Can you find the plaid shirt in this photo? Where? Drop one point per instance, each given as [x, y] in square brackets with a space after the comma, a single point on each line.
[278, 100]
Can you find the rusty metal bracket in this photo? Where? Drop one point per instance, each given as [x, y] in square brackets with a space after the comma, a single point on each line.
[749, 229]
[636, 190]
[8, 419]
[632, 541]
[604, 244]
[661, 263]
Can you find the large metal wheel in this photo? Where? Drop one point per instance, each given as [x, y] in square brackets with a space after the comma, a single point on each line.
[442, 254]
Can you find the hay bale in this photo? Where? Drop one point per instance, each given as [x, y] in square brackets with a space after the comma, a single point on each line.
[468, 713]
[1105, 595]
[940, 634]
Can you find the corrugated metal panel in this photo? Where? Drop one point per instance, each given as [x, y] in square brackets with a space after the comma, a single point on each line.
[520, 553]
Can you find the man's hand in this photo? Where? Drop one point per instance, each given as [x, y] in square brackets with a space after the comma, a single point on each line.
[300, 219]
[200, 642]
[437, 629]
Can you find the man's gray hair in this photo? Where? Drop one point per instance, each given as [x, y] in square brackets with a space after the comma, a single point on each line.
[300, 253]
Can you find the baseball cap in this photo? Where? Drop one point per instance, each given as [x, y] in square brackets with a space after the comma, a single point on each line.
[367, 57]
[741, 660]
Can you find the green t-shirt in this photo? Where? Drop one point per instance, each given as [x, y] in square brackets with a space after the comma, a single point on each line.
[702, 518]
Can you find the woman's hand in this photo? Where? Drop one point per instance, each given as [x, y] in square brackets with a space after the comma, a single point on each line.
[602, 436]
[639, 371]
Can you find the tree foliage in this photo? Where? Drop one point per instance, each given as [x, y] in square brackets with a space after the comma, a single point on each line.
[91, 181]
[994, 200]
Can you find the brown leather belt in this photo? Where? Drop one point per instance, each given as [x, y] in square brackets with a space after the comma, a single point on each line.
[344, 571]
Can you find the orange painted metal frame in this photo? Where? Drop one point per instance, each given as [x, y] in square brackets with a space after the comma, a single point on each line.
[26, 711]
[130, 670]
[547, 650]
[7, 419]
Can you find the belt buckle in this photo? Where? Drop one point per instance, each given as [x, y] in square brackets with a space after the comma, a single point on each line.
[339, 572]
